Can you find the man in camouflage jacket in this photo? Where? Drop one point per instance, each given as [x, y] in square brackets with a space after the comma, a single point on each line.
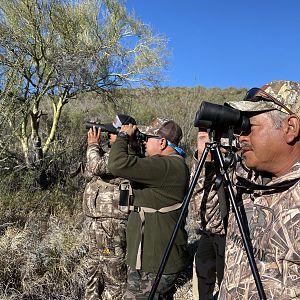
[208, 211]
[106, 220]
[272, 146]
[205, 212]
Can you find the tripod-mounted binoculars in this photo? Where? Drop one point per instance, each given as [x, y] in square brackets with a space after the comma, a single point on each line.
[218, 120]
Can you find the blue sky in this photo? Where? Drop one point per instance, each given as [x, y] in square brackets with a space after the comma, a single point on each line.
[226, 43]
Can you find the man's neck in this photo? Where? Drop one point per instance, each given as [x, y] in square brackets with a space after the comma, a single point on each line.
[287, 166]
[168, 151]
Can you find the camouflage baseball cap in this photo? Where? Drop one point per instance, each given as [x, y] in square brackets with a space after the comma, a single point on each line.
[164, 128]
[282, 95]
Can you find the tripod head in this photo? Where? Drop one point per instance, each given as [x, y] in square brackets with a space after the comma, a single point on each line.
[226, 141]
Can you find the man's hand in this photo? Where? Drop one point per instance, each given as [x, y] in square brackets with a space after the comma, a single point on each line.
[129, 129]
[94, 136]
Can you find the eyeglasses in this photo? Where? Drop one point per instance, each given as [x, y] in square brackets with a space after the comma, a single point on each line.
[152, 137]
[262, 95]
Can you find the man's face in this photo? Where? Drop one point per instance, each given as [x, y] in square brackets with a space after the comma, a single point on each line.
[262, 147]
[152, 146]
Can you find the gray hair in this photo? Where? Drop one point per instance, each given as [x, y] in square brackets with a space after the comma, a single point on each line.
[277, 117]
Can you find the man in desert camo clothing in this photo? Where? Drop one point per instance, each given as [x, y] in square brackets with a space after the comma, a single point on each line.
[107, 220]
[272, 146]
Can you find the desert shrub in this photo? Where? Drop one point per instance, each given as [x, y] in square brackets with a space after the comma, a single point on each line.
[43, 257]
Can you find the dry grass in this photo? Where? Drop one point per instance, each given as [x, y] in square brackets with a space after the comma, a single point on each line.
[42, 257]
[184, 290]
[43, 251]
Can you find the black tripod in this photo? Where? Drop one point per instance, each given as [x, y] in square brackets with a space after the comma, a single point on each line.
[215, 148]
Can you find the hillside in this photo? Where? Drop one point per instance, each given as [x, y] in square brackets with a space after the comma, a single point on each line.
[43, 240]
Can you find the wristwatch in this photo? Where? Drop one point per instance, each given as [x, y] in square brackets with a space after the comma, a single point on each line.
[123, 135]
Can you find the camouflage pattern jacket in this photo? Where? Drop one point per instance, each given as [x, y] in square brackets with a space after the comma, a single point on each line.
[101, 194]
[204, 206]
[273, 220]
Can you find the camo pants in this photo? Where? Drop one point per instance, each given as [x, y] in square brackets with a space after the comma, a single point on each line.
[139, 285]
[107, 269]
[209, 260]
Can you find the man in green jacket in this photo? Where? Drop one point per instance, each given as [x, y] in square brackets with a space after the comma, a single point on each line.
[159, 182]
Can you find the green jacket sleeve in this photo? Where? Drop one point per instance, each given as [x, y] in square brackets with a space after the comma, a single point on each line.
[132, 167]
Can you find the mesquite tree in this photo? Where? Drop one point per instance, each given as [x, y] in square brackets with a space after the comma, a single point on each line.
[51, 51]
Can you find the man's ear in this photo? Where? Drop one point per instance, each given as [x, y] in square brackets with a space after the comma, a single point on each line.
[292, 129]
[163, 144]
